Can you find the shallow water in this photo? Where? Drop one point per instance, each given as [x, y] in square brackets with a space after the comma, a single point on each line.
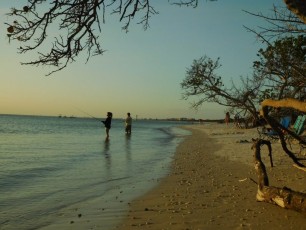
[48, 164]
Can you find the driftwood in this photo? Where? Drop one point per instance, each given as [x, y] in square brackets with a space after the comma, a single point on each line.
[283, 197]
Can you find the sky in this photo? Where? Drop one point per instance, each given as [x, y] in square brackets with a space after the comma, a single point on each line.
[141, 71]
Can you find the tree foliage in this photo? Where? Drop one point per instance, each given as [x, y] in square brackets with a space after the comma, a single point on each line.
[279, 73]
[282, 67]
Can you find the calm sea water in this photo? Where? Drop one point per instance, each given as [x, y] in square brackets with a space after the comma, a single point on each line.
[48, 164]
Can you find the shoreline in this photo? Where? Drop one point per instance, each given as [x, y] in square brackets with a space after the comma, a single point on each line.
[209, 186]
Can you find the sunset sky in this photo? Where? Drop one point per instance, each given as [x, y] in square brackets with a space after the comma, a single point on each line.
[142, 70]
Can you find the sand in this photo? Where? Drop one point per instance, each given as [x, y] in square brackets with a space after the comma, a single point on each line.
[210, 186]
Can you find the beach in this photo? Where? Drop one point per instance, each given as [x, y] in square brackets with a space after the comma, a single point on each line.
[198, 176]
[212, 185]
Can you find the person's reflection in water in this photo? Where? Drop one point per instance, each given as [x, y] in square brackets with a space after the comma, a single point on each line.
[128, 146]
[106, 152]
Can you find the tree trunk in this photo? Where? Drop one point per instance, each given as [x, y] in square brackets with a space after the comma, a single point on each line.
[286, 103]
[298, 7]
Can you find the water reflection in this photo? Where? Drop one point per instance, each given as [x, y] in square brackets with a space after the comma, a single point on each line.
[106, 152]
[128, 145]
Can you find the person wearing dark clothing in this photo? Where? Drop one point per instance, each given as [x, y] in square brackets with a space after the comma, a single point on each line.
[128, 124]
[107, 123]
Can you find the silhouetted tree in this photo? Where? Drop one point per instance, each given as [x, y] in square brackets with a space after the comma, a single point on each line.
[202, 81]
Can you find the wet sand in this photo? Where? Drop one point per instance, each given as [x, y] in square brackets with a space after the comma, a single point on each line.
[210, 186]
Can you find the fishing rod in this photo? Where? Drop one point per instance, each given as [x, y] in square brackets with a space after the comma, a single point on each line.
[88, 114]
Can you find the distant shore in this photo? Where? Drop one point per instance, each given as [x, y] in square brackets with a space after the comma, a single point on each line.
[209, 186]
[191, 120]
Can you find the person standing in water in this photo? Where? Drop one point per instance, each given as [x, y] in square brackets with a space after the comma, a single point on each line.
[107, 123]
[128, 124]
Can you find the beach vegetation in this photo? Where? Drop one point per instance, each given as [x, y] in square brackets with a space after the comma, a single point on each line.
[281, 66]
[279, 73]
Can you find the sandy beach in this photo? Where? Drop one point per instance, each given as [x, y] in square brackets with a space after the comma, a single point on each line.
[210, 186]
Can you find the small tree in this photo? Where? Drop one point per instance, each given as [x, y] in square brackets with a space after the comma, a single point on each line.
[202, 81]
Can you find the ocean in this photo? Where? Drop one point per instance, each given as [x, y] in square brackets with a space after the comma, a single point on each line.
[49, 165]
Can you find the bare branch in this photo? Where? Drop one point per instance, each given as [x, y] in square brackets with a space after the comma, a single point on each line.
[281, 23]
[78, 24]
